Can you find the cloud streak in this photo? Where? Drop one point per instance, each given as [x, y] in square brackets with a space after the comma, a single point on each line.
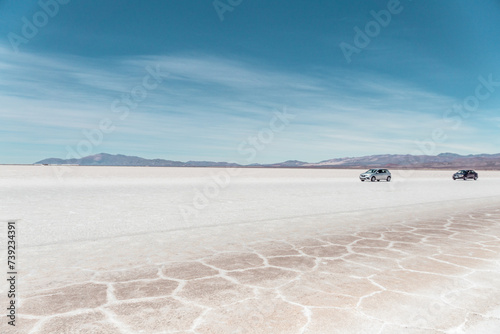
[207, 105]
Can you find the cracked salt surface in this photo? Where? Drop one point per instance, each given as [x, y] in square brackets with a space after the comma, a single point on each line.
[422, 268]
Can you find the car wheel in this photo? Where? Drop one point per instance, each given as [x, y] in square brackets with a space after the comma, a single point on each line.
[475, 178]
[373, 178]
[362, 180]
[388, 179]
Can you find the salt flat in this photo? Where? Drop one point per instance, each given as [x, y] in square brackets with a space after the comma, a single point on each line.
[125, 250]
[89, 203]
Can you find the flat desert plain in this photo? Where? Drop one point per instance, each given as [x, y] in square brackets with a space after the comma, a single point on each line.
[216, 250]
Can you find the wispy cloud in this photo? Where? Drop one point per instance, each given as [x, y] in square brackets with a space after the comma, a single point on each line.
[207, 105]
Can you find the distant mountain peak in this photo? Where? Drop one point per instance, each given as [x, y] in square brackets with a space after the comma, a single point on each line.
[106, 159]
[448, 154]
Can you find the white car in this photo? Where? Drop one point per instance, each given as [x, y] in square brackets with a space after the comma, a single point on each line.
[376, 175]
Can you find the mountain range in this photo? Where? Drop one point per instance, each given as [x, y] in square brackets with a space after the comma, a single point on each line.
[443, 160]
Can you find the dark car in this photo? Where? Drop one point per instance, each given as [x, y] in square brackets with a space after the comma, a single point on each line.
[465, 174]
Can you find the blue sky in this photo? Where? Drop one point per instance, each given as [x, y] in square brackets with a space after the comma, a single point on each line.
[417, 82]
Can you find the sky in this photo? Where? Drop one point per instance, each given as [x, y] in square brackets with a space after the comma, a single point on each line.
[249, 81]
